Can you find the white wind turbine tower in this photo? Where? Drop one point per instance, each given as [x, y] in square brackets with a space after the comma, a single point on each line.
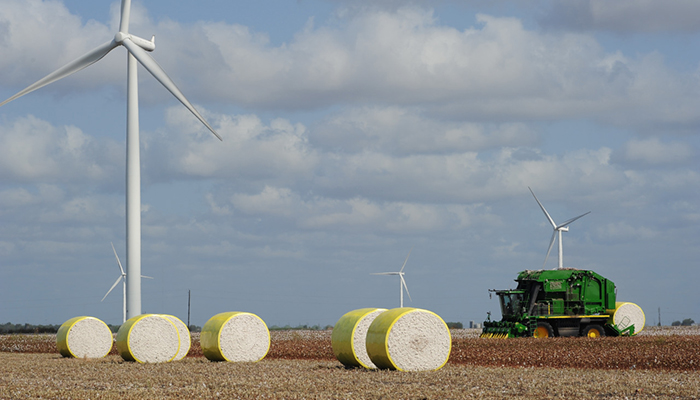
[137, 49]
[557, 229]
[402, 282]
[121, 278]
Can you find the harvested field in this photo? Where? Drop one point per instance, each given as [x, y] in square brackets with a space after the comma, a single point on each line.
[301, 364]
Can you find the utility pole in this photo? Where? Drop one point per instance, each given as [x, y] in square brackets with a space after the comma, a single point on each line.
[659, 316]
[189, 297]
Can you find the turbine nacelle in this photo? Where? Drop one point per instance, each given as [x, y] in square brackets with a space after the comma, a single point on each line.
[148, 45]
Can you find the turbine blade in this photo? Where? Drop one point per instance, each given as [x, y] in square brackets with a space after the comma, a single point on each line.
[88, 59]
[125, 16]
[113, 286]
[404, 263]
[403, 282]
[551, 243]
[385, 273]
[148, 277]
[117, 257]
[551, 221]
[152, 66]
[572, 220]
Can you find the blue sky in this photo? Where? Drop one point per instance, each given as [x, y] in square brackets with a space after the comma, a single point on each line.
[353, 132]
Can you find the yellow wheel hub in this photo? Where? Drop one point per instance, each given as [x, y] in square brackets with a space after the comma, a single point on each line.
[541, 332]
[593, 333]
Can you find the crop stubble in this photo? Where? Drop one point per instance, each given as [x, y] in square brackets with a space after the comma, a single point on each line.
[301, 364]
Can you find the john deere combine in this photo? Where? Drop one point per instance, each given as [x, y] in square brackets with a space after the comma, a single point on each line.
[563, 302]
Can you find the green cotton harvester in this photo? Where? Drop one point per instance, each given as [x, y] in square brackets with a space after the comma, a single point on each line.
[563, 302]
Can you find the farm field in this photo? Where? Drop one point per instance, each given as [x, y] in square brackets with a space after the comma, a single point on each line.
[659, 363]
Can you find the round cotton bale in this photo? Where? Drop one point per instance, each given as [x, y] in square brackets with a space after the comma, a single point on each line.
[409, 339]
[627, 314]
[185, 338]
[148, 338]
[84, 337]
[235, 336]
[349, 337]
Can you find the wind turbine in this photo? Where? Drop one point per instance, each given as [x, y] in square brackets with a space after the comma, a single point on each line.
[137, 49]
[121, 278]
[402, 282]
[557, 229]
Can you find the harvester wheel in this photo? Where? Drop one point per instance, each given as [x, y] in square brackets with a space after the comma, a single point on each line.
[543, 330]
[593, 331]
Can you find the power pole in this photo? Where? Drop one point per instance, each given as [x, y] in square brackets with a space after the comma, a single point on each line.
[189, 297]
[659, 316]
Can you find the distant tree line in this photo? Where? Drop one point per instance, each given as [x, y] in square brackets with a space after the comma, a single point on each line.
[301, 328]
[685, 322]
[10, 328]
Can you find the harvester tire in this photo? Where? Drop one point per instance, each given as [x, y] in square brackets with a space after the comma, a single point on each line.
[543, 330]
[593, 331]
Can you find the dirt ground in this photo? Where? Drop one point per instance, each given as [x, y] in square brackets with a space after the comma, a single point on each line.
[300, 365]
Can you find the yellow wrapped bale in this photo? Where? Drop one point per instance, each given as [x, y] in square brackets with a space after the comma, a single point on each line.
[84, 337]
[349, 337]
[236, 337]
[626, 314]
[184, 334]
[148, 338]
[409, 339]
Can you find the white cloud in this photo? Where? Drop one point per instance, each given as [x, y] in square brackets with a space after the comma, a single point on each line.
[398, 130]
[626, 15]
[497, 69]
[655, 152]
[358, 213]
[251, 149]
[623, 232]
[37, 37]
[32, 150]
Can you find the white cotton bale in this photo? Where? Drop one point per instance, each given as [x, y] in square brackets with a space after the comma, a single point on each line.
[349, 337]
[409, 339]
[627, 314]
[148, 338]
[84, 337]
[235, 336]
[185, 338]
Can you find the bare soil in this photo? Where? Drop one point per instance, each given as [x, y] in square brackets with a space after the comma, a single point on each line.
[301, 365]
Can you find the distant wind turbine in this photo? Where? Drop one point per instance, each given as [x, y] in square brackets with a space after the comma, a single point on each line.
[137, 49]
[402, 282]
[121, 278]
[557, 229]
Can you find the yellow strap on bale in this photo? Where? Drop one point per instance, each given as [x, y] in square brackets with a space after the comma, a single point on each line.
[409, 339]
[346, 350]
[148, 338]
[216, 343]
[184, 334]
[86, 337]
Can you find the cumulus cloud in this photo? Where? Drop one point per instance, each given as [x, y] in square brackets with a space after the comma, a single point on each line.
[497, 69]
[34, 150]
[400, 131]
[653, 151]
[625, 15]
[37, 37]
[251, 149]
[358, 213]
